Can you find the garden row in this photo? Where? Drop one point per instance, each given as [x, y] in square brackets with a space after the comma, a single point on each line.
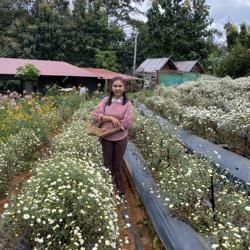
[25, 127]
[41, 114]
[215, 109]
[191, 188]
[69, 201]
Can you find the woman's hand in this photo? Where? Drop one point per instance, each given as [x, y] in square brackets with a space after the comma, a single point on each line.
[112, 119]
[115, 121]
[105, 134]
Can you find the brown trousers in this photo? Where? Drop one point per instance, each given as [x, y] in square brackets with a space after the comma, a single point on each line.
[113, 152]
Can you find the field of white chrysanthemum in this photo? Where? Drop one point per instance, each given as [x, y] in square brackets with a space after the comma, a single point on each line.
[191, 188]
[214, 109]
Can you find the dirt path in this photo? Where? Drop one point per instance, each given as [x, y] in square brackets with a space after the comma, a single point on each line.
[141, 227]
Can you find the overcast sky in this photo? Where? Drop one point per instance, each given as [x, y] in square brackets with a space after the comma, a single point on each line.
[235, 11]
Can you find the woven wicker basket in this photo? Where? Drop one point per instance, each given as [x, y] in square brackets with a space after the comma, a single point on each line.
[92, 130]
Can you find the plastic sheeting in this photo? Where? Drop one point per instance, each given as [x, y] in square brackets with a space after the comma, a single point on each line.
[238, 167]
[174, 234]
[137, 244]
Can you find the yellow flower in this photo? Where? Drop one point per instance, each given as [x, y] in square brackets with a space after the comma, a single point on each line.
[39, 110]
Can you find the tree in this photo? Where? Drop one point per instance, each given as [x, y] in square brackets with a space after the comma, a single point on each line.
[51, 33]
[236, 63]
[106, 60]
[231, 34]
[236, 59]
[96, 35]
[178, 28]
[28, 72]
[10, 10]
[44, 36]
[244, 35]
[5, 22]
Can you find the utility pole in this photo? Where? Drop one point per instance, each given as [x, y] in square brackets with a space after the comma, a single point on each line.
[135, 51]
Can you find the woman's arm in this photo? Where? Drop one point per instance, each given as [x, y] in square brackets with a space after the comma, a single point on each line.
[127, 121]
[99, 111]
[112, 119]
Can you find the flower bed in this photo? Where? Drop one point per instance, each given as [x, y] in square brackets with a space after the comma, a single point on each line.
[42, 115]
[215, 109]
[191, 188]
[68, 202]
[14, 156]
[17, 152]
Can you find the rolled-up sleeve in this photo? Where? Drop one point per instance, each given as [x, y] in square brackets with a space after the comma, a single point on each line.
[100, 110]
[127, 121]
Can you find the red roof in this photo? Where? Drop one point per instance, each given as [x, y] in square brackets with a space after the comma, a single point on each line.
[107, 74]
[8, 66]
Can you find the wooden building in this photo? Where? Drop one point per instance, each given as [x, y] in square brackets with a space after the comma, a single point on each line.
[149, 68]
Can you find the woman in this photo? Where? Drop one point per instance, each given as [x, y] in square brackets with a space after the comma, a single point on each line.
[115, 113]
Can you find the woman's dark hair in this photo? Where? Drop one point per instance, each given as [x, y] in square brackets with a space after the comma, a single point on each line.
[111, 94]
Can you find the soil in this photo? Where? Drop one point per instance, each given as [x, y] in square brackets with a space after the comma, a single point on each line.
[15, 187]
[2, 202]
[139, 219]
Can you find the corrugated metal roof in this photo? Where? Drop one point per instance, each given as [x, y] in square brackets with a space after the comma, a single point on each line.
[8, 66]
[185, 66]
[107, 74]
[152, 64]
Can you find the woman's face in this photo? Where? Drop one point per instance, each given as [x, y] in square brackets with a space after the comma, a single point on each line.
[118, 88]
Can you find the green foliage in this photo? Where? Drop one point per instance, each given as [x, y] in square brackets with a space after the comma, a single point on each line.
[106, 59]
[231, 34]
[234, 36]
[28, 72]
[14, 153]
[21, 137]
[52, 90]
[49, 30]
[244, 35]
[214, 58]
[12, 85]
[236, 63]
